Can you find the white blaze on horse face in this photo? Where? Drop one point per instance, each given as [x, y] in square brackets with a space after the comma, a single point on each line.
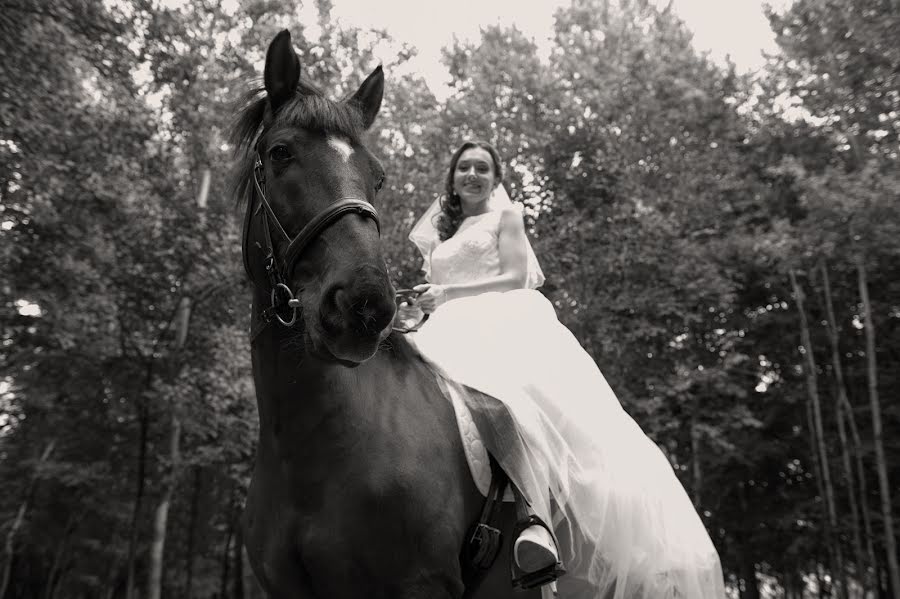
[341, 146]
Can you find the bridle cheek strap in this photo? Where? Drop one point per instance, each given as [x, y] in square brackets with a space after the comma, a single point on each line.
[279, 271]
[313, 228]
[257, 170]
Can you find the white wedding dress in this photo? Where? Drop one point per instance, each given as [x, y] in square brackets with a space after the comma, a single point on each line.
[625, 525]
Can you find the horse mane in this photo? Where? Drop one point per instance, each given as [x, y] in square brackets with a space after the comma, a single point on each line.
[308, 109]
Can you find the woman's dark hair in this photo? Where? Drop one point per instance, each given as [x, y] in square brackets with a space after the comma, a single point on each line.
[447, 221]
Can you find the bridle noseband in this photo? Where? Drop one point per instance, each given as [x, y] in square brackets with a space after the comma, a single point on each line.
[277, 270]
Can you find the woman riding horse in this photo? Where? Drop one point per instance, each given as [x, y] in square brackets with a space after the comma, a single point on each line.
[361, 488]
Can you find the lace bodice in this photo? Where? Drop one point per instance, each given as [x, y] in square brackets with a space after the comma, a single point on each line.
[471, 254]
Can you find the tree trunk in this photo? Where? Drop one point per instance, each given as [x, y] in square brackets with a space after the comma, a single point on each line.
[238, 560]
[890, 544]
[748, 574]
[826, 526]
[161, 519]
[9, 545]
[111, 583]
[226, 560]
[798, 584]
[54, 571]
[144, 419]
[52, 578]
[812, 386]
[59, 581]
[750, 588]
[697, 482]
[840, 401]
[884, 591]
[862, 565]
[790, 585]
[182, 322]
[820, 581]
[192, 524]
[869, 534]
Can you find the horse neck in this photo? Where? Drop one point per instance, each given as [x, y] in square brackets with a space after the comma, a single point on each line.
[298, 390]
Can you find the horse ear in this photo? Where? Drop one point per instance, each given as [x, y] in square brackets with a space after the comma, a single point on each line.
[368, 96]
[282, 72]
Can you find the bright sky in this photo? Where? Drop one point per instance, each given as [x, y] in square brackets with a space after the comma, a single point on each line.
[722, 27]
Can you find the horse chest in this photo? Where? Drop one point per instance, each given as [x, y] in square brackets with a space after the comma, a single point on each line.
[371, 525]
[362, 495]
[376, 461]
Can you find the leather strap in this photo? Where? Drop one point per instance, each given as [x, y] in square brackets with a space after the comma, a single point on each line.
[321, 222]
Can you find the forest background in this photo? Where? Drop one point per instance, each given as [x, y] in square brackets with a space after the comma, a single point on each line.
[726, 247]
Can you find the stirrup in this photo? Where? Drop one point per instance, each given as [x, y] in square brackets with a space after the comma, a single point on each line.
[538, 578]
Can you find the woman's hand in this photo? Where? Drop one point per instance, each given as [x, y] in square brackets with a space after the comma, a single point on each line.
[430, 296]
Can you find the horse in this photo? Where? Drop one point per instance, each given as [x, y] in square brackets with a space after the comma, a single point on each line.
[360, 486]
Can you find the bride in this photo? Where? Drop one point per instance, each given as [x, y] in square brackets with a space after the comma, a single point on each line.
[601, 499]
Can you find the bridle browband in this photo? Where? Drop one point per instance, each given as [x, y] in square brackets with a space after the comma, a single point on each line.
[277, 270]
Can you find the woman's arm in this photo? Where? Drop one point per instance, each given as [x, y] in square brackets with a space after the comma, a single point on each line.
[513, 267]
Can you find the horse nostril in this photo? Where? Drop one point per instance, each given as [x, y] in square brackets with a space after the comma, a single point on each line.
[366, 312]
[373, 314]
[333, 308]
[339, 300]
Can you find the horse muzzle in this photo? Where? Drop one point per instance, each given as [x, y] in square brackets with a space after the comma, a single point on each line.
[355, 318]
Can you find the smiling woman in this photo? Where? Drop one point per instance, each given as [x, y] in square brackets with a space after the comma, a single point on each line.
[475, 171]
[582, 469]
[474, 177]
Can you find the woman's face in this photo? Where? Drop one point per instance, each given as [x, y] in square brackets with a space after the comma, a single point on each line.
[474, 179]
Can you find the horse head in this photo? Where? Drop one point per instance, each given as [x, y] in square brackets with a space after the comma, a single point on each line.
[311, 242]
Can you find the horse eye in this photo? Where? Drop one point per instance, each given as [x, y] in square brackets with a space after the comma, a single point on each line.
[380, 184]
[280, 153]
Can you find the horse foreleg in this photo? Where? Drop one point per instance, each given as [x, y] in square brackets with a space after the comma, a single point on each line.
[288, 582]
[280, 574]
[430, 591]
[287, 587]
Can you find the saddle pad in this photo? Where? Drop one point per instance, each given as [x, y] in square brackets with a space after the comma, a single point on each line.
[476, 453]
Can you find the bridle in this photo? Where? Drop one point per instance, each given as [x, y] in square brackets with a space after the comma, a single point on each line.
[278, 269]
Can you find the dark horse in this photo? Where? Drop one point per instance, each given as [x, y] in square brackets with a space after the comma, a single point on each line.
[361, 487]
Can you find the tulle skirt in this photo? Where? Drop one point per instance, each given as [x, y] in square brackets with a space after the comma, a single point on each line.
[626, 527]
